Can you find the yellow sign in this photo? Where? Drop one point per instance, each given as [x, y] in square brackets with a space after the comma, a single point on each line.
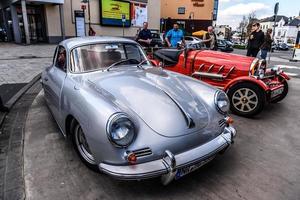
[112, 9]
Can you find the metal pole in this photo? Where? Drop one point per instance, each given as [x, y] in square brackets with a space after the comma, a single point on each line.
[25, 21]
[89, 10]
[62, 23]
[273, 34]
[123, 29]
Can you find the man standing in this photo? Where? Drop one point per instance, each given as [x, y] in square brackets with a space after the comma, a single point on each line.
[211, 39]
[174, 36]
[144, 36]
[256, 39]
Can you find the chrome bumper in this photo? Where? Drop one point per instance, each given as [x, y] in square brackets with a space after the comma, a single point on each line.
[168, 165]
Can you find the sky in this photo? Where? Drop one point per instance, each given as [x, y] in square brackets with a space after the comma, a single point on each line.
[231, 11]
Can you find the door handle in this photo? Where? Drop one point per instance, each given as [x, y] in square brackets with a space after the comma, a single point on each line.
[76, 87]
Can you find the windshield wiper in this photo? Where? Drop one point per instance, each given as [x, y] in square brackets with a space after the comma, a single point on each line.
[141, 63]
[126, 60]
[119, 62]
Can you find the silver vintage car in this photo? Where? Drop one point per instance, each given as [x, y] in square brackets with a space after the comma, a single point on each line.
[129, 119]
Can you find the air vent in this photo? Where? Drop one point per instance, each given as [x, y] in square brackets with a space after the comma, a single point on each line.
[222, 122]
[142, 152]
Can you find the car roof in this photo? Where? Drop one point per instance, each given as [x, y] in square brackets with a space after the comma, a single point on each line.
[80, 41]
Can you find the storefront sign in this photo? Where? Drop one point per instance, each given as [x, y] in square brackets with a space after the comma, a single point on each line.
[79, 23]
[139, 14]
[198, 3]
[111, 12]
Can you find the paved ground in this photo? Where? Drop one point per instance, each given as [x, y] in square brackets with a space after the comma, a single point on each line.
[20, 64]
[264, 163]
[11, 147]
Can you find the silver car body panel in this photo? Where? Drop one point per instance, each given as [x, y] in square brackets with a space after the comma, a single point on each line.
[157, 101]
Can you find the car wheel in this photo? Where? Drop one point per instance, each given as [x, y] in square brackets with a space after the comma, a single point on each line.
[283, 94]
[246, 99]
[81, 146]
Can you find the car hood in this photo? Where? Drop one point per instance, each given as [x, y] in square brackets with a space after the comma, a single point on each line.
[228, 59]
[159, 99]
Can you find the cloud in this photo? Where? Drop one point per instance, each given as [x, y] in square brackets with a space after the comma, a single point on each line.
[243, 9]
[224, 1]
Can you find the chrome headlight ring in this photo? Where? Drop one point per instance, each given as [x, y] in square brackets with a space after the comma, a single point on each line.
[222, 102]
[120, 130]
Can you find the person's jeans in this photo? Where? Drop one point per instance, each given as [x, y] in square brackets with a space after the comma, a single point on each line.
[263, 54]
[252, 52]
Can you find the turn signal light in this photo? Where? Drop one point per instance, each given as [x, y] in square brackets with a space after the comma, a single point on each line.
[131, 158]
[229, 120]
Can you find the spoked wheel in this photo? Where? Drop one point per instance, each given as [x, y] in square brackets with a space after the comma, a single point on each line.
[82, 148]
[246, 99]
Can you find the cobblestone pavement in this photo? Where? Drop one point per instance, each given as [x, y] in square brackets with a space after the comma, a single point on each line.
[11, 147]
[20, 64]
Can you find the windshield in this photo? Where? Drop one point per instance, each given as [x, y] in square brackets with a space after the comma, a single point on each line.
[100, 56]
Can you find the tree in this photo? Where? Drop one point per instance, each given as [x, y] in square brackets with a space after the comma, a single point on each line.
[242, 27]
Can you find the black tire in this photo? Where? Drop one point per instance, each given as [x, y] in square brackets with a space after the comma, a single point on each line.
[79, 147]
[246, 99]
[284, 93]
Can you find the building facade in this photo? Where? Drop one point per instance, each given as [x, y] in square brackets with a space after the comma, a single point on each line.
[268, 22]
[287, 31]
[30, 21]
[191, 15]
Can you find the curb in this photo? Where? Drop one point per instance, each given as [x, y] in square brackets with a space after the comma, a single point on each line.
[8, 105]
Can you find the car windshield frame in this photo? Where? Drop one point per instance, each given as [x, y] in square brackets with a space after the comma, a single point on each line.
[72, 67]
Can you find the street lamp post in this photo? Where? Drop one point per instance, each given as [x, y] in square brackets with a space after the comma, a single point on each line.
[276, 8]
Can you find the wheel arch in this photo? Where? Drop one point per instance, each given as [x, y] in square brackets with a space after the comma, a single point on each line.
[68, 124]
[246, 79]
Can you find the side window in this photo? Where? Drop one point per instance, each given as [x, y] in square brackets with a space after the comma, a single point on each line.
[133, 52]
[61, 59]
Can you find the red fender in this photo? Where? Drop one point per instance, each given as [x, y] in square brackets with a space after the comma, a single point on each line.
[240, 79]
[284, 75]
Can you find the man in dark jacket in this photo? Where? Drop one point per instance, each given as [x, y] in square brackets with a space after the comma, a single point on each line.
[145, 36]
[256, 39]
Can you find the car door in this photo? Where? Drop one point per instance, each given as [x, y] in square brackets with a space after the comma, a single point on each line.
[56, 78]
[45, 80]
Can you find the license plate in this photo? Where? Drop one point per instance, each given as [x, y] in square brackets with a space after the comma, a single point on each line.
[277, 92]
[188, 169]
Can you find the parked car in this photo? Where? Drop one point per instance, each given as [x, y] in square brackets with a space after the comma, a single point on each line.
[192, 39]
[129, 119]
[282, 46]
[193, 44]
[224, 45]
[246, 80]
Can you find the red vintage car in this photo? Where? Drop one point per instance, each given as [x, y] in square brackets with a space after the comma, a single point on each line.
[246, 80]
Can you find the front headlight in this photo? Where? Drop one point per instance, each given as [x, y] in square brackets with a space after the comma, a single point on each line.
[120, 130]
[222, 102]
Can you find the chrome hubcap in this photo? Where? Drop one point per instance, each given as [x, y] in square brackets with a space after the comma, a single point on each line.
[83, 146]
[245, 100]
